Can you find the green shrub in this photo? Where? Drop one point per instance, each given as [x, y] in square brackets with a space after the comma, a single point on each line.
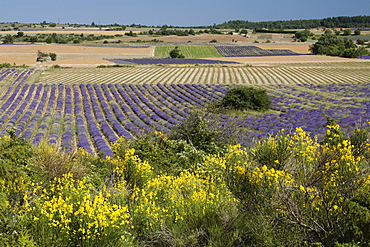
[165, 155]
[5, 65]
[200, 133]
[245, 98]
[176, 53]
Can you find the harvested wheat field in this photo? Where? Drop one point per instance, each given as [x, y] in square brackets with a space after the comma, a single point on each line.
[276, 60]
[18, 60]
[301, 48]
[32, 49]
[26, 54]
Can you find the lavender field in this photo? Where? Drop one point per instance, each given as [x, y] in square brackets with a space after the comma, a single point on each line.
[91, 115]
[168, 61]
[251, 51]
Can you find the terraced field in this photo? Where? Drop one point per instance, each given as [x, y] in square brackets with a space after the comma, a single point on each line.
[90, 108]
[311, 73]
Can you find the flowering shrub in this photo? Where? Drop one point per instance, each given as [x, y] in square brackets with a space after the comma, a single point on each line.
[291, 189]
[70, 213]
[183, 205]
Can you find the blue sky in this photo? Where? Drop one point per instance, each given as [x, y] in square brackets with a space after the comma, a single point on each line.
[175, 12]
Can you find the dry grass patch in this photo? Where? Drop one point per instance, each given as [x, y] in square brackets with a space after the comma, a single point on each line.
[18, 60]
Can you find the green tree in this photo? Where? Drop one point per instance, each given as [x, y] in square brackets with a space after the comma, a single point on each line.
[332, 45]
[198, 131]
[245, 98]
[244, 31]
[302, 36]
[53, 56]
[176, 53]
[357, 32]
[8, 39]
[347, 32]
[20, 34]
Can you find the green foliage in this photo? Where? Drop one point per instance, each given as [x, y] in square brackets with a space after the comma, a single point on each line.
[357, 32]
[332, 45]
[302, 36]
[331, 22]
[274, 152]
[41, 56]
[163, 153]
[5, 65]
[213, 41]
[176, 53]
[347, 32]
[131, 34]
[186, 146]
[245, 98]
[333, 134]
[199, 132]
[52, 56]
[50, 163]
[183, 190]
[8, 39]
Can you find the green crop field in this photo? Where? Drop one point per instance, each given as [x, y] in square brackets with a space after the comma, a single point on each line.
[188, 51]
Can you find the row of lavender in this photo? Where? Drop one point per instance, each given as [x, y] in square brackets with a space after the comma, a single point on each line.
[168, 61]
[92, 116]
[12, 79]
[149, 44]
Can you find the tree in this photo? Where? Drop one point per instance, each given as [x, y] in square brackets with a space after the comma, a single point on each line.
[8, 39]
[245, 98]
[33, 39]
[332, 45]
[302, 36]
[176, 53]
[244, 31]
[347, 32]
[53, 56]
[357, 32]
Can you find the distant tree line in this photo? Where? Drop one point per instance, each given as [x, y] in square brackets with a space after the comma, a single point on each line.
[331, 22]
[55, 38]
[165, 31]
